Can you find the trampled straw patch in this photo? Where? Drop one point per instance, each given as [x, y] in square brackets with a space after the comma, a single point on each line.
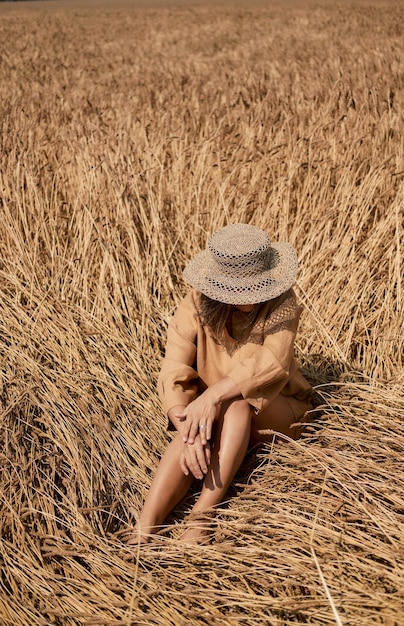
[128, 135]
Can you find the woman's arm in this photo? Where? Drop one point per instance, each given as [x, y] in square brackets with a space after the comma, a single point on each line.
[264, 370]
[173, 414]
[178, 379]
[203, 410]
[193, 458]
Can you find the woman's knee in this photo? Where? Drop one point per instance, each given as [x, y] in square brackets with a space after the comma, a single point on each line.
[237, 409]
[234, 417]
[283, 416]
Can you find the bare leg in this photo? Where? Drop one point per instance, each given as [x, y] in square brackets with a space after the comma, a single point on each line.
[230, 446]
[238, 427]
[169, 486]
[279, 416]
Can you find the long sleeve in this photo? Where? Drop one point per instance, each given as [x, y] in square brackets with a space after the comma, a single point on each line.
[178, 379]
[263, 371]
[261, 363]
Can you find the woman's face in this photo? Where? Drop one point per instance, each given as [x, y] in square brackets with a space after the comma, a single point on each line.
[244, 308]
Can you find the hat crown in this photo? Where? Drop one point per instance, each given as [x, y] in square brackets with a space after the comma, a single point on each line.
[241, 249]
[242, 266]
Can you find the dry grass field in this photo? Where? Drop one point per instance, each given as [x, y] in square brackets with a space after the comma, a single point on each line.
[129, 132]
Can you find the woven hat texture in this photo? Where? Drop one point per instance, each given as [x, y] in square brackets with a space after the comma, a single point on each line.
[242, 266]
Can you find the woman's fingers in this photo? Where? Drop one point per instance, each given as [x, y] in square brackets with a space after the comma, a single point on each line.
[195, 459]
[182, 415]
[200, 464]
[197, 418]
[193, 429]
[205, 429]
[202, 434]
[190, 427]
[196, 462]
[194, 426]
[183, 465]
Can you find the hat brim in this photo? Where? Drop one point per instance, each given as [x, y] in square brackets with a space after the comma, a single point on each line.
[203, 274]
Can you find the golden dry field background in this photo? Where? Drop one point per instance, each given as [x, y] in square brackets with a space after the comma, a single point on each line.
[130, 132]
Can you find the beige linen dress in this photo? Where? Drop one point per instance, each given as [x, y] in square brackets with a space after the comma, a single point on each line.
[260, 360]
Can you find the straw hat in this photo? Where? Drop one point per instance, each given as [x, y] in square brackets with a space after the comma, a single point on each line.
[242, 266]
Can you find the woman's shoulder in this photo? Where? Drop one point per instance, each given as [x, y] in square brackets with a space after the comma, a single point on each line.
[285, 302]
[281, 314]
[187, 309]
[191, 300]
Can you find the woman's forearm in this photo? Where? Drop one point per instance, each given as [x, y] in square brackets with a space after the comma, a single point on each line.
[172, 416]
[199, 415]
[224, 389]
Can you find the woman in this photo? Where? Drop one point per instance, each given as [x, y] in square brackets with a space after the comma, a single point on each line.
[229, 376]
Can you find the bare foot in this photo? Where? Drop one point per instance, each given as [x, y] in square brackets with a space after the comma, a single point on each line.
[135, 537]
[138, 544]
[198, 531]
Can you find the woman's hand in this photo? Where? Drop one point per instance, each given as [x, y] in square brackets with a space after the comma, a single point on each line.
[197, 418]
[195, 458]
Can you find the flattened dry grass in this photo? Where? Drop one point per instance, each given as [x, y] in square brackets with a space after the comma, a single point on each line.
[128, 135]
